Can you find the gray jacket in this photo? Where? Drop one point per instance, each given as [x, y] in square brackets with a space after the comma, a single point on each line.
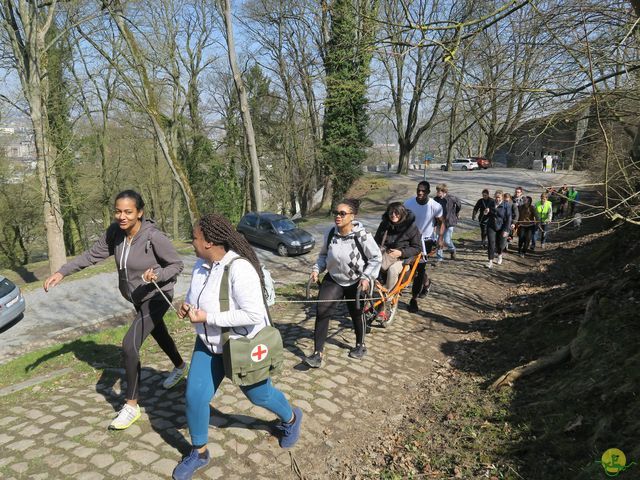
[150, 248]
[343, 260]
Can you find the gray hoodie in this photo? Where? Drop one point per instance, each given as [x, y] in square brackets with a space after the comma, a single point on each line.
[149, 248]
[343, 260]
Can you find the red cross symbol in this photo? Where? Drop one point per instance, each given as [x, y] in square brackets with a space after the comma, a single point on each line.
[259, 352]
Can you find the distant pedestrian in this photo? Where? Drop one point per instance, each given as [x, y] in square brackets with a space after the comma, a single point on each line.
[399, 239]
[451, 211]
[428, 214]
[514, 219]
[499, 214]
[564, 199]
[480, 207]
[572, 196]
[143, 255]
[544, 215]
[526, 225]
[518, 196]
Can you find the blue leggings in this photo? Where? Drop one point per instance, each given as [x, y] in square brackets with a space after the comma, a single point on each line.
[205, 375]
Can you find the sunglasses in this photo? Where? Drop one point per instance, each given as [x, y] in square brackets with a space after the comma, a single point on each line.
[340, 213]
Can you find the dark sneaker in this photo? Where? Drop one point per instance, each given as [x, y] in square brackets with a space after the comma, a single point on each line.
[358, 352]
[425, 290]
[314, 361]
[190, 465]
[453, 255]
[290, 431]
[413, 306]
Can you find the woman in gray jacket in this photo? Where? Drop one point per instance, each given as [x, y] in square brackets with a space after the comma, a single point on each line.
[352, 259]
[143, 255]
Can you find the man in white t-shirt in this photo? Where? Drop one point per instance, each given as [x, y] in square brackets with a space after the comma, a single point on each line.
[428, 213]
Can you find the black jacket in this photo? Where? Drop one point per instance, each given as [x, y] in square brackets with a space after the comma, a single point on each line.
[403, 236]
[500, 216]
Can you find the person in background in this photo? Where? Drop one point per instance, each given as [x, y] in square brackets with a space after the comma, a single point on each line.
[451, 210]
[514, 220]
[399, 239]
[572, 196]
[518, 196]
[143, 255]
[352, 260]
[562, 193]
[499, 214]
[480, 207]
[526, 225]
[544, 216]
[428, 214]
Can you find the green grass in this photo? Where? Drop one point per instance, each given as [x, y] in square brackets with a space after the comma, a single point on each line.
[85, 354]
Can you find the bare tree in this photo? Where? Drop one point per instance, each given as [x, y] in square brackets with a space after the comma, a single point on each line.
[135, 75]
[250, 137]
[25, 26]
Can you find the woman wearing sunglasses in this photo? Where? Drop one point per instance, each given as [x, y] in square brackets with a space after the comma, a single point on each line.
[352, 259]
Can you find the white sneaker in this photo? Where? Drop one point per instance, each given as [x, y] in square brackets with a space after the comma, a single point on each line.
[499, 261]
[125, 417]
[490, 264]
[175, 376]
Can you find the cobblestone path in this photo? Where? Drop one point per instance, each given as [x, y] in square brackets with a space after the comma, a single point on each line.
[59, 429]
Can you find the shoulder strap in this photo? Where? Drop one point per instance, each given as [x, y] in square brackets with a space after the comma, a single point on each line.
[332, 232]
[224, 286]
[223, 296]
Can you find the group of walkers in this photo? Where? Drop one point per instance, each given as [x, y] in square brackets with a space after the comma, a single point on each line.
[354, 259]
[506, 216]
[148, 266]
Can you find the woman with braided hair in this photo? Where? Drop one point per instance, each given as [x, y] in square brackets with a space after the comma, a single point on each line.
[217, 244]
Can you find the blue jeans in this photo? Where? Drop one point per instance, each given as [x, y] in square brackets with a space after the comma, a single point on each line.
[205, 375]
[540, 235]
[448, 241]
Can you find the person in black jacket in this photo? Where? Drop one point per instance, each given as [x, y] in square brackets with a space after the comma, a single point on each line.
[480, 207]
[398, 238]
[499, 213]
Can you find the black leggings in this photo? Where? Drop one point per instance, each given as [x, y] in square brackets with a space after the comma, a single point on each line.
[495, 242]
[330, 290]
[148, 321]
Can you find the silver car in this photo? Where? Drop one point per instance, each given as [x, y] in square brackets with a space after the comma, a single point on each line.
[11, 301]
[461, 164]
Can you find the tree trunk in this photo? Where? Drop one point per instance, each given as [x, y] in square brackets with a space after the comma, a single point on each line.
[250, 137]
[46, 157]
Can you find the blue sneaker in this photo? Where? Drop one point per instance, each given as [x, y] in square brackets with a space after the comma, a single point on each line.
[291, 431]
[190, 465]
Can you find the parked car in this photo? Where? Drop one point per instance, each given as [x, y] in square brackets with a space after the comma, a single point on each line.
[461, 164]
[482, 162]
[11, 301]
[276, 232]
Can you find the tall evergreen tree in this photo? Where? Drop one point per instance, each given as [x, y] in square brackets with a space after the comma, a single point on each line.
[347, 59]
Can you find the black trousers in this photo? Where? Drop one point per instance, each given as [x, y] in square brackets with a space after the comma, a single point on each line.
[330, 290]
[495, 242]
[524, 238]
[149, 320]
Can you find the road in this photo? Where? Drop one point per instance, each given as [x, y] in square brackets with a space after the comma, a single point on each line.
[83, 305]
